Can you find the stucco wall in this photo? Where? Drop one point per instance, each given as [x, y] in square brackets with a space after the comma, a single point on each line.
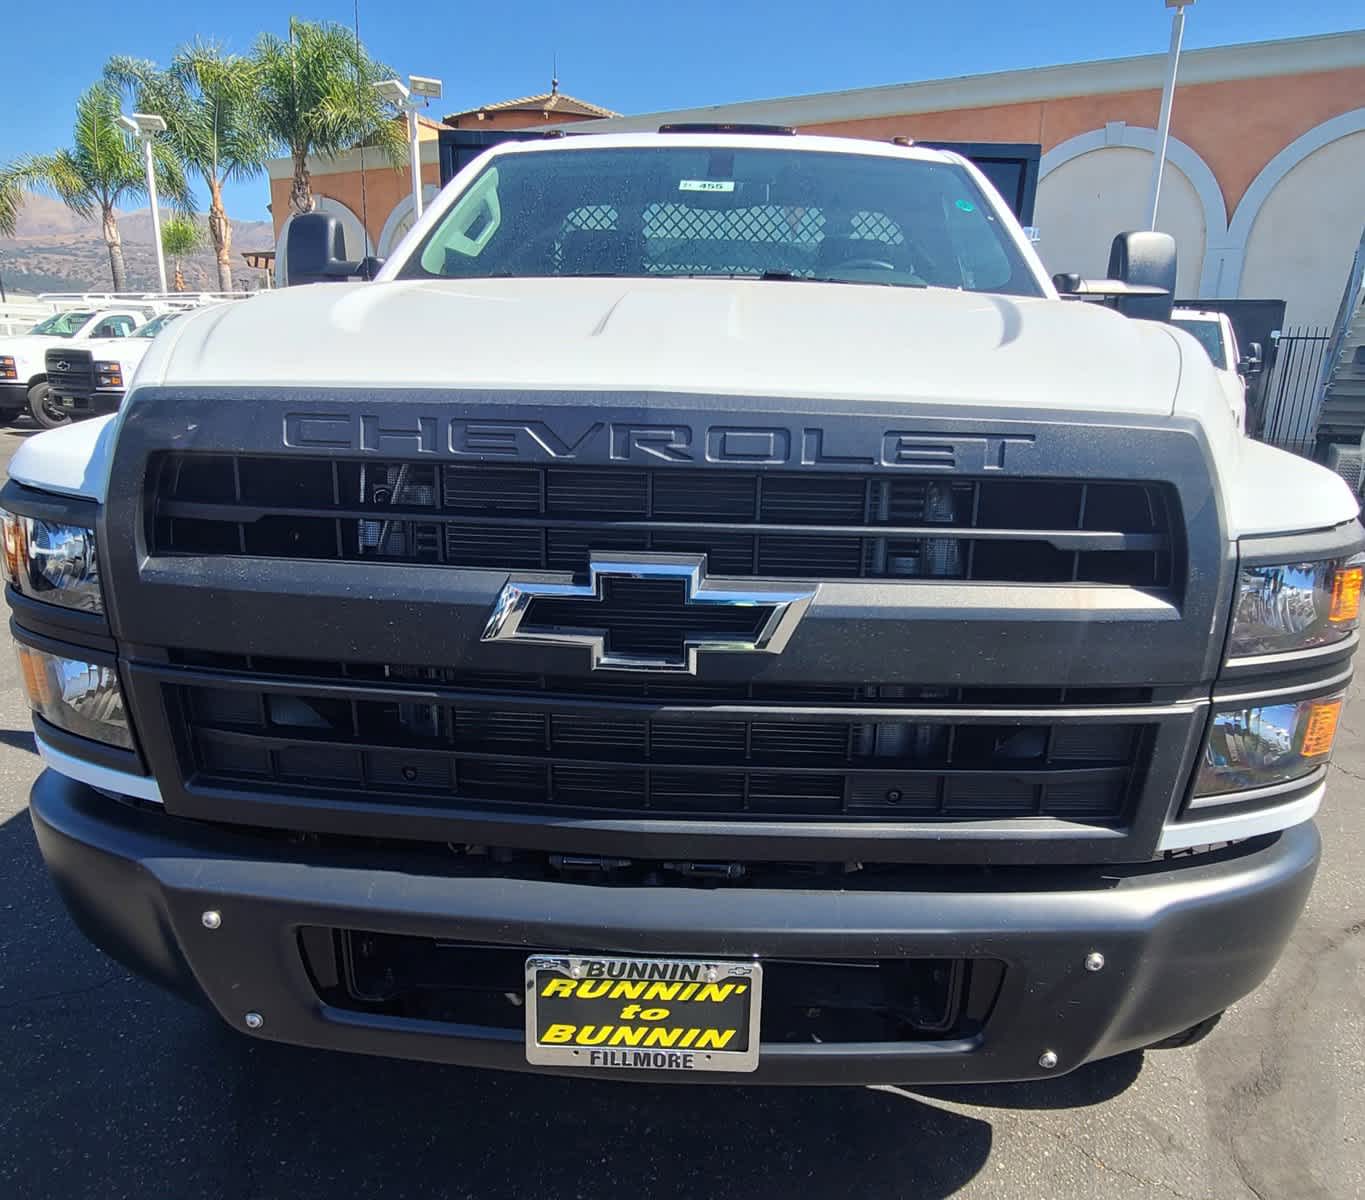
[1086, 201]
[1306, 232]
[384, 187]
[1235, 125]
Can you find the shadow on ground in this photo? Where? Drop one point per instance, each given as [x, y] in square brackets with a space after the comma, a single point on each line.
[108, 1087]
[20, 739]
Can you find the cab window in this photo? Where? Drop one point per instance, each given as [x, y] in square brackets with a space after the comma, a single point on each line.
[1209, 334]
[686, 210]
[63, 324]
[114, 327]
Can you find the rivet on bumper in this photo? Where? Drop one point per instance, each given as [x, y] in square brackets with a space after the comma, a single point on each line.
[211, 919]
[254, 1020]
[1094, 961]
[1047, 1060]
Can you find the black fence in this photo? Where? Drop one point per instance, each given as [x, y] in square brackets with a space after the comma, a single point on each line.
[1293, 390]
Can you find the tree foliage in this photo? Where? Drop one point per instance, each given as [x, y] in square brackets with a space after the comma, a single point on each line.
[180, 236]
[101, 170]
[211, 103]
[11, 203]
[317, 97]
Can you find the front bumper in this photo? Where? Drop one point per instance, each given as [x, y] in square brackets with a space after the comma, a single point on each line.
[1181, 939]
[90, 404]
[13, 396]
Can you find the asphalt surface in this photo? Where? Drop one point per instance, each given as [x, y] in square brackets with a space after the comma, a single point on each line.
[110, 1089]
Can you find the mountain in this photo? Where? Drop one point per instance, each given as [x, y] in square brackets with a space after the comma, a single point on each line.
[54, 250]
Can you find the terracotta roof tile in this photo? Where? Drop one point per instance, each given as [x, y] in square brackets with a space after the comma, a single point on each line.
[551, 101]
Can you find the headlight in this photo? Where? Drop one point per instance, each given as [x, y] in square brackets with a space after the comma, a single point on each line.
[1295, 606]
[7, 368]
[108, 375]
[83, 698]
[51, 561]
[1274, 743]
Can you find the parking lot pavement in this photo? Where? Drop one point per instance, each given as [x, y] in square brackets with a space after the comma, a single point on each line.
[109, 1088]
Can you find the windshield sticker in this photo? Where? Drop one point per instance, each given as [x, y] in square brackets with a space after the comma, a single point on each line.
[707, 185]
[966, 206]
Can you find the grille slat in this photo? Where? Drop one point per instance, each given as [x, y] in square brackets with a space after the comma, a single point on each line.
[782, 525]
[487, 756]
[662, 690]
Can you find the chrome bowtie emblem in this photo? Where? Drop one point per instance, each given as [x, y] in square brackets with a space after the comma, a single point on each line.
[63, 366]
[649, 613]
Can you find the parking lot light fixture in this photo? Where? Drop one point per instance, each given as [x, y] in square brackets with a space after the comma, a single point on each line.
[144, 127]
[409, 97]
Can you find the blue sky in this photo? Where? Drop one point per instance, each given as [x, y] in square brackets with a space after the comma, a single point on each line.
[627, 55]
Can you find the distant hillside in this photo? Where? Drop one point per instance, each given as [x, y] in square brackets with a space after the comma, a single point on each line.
[55, 251]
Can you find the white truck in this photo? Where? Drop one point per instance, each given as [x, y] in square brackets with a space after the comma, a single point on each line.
[23, 366]
[710, 605]
[1214, 331]
[88, 378]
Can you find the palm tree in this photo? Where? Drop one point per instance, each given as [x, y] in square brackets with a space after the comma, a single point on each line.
[11, 201]
[101, 170]
[317, 97]
[179, 236]
[211, 105]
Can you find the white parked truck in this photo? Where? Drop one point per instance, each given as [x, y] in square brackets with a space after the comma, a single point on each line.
[1214, 331]
[23, 366]
[709, 605]
[88, 378]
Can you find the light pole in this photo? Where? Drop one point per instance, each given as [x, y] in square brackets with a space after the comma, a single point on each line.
[145, 126]
[1163, 130]
[409, 98]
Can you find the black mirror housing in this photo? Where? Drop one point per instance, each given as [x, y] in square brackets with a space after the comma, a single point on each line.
[315, 252]
[315, 249]
[1253, 362]
[1146, 259]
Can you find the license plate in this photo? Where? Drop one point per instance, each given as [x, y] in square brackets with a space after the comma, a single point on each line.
[642, 1013]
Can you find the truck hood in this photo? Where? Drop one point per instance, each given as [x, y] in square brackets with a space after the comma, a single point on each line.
[27, 346]
[717, 336]
[124, 350]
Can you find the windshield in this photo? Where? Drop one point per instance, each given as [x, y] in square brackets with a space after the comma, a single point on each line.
[705, 210]
[1210, 336]
[155, 325]
[64, 324]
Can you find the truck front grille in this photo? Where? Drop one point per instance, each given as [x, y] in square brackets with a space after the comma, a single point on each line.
[748, 523]
[552, 753]
[70, 372]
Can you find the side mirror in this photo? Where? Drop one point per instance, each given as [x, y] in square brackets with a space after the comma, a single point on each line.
[315, 252]
[1145, 259]
[1253, 362]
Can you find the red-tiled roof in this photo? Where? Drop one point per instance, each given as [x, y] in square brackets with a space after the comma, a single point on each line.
[552, 101]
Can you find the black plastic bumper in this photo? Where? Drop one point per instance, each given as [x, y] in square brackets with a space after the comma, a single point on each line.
[13, 396]
[91, 404]
[1181, 940]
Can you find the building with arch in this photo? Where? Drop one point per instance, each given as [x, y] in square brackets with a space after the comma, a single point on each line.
[1264, 188]
[373, 199]
[1265, 182]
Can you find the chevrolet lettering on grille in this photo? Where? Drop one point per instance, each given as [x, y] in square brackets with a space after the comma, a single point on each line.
[649, 613]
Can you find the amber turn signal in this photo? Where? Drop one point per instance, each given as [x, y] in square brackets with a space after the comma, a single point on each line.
[1321, 728]
[12, 545]
[37, 681]
[1346, 594]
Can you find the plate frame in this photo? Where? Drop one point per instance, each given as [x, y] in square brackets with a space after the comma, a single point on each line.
[706, 1060]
